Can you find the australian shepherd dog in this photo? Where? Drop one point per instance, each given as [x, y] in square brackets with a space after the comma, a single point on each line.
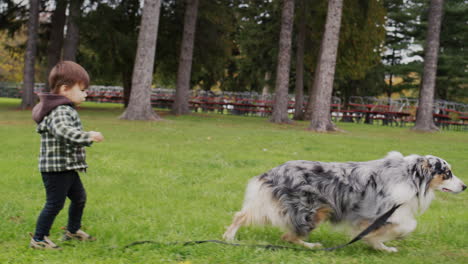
[299, 195]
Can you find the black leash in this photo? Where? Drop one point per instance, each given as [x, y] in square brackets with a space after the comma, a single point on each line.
[382, 220]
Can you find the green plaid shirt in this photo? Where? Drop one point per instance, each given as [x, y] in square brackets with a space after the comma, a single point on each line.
[62, 141]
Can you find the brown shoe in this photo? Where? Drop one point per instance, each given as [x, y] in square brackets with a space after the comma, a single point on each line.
[79, 235]
[43, 244]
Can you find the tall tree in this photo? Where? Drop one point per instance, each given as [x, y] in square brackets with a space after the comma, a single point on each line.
[181, 102]
[280, 107]
[54, 49]
[324, 75]
[299, 89]
[424, 115]
[139, 107]
[30, 55]
[70, 47]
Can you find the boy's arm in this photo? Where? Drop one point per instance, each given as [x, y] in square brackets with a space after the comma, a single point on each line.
[62, 126]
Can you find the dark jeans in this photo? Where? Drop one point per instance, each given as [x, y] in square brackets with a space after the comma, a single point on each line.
[59, 186]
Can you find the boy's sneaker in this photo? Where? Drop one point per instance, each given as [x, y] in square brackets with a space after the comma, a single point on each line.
[46, 243]
[79, 235]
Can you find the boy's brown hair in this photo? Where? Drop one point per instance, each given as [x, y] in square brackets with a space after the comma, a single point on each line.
[67, 73]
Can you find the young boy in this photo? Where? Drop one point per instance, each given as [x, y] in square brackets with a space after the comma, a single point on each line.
[62, 153]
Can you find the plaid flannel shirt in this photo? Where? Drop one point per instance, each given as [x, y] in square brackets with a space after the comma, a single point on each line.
[62, 141]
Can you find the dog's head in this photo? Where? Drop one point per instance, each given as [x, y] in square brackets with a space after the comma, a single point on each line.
[440, 175]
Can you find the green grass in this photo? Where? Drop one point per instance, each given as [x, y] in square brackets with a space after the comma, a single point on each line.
[183, 178]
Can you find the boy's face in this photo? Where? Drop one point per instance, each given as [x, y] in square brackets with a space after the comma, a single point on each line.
[77, 93]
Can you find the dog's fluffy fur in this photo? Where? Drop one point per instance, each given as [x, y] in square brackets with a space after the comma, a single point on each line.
[299, 195]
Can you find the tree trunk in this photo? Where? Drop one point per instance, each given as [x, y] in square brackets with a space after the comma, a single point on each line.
[30, 56]
[424, 115]
[265, 98]
[181, 102]
[389, 87]
[139, 107]
[54, 49]
[266, 86]
[280, 105]
[299, 89]
[312, 91]
[73, 32]
[323, 82]
[127, 87]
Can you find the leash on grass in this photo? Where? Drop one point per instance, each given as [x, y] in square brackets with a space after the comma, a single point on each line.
[382, 220]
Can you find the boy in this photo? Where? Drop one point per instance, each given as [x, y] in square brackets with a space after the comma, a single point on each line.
[62, 153]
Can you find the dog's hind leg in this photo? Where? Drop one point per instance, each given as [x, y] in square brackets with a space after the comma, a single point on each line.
[320, 215]
[238, 221]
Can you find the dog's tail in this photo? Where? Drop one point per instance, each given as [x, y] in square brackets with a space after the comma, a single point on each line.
[260, 207]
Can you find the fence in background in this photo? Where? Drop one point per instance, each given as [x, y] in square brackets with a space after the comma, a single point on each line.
[359, 109]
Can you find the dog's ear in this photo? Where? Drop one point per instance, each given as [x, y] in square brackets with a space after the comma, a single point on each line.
[423, 167]
[424, 173]
[425, 163]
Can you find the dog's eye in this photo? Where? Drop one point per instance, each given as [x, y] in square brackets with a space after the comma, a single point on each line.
[447, 175]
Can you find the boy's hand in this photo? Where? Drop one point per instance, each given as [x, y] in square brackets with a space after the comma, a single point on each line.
[96, 136]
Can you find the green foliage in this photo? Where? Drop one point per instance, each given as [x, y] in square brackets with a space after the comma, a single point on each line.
[236, 43]
[452, 73]
[13, 15]
[169, 40]
[316, 14]
[359, 54]
[108, 39]
[453, 56]
[11, 60]
[402, 22]
[361, 37]
[155, 181]
[213, 42]
[256, 45]
[216, 27]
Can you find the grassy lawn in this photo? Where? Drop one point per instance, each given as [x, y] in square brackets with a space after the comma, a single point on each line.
[183, 179]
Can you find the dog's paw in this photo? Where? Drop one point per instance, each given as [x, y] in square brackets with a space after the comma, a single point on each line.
[383, 247]
[390, 249]
[312, 245]
[228, 237]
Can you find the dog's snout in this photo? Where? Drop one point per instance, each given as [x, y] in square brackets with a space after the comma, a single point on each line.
[463, 187]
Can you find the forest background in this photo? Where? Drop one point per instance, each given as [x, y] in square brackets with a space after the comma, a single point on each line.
[236, 42]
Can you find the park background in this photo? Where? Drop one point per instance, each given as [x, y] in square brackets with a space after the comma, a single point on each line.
[183, 178]
[262, 46]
